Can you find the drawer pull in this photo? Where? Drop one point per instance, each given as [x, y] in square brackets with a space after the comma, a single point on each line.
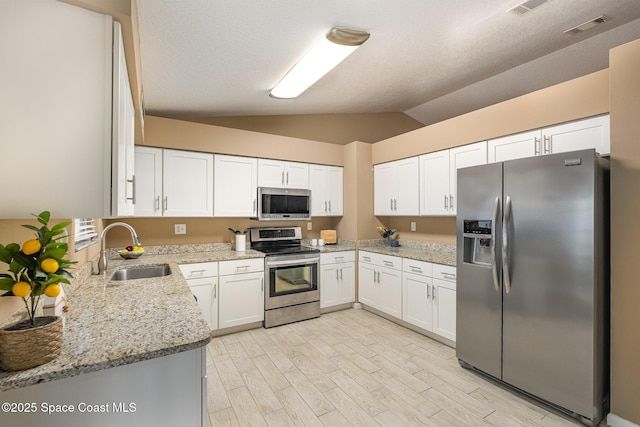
[388, 263]
[416, 269]
[196, 273]
[449, 275]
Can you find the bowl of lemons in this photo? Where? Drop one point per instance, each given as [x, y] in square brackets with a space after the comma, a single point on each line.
[131, 252]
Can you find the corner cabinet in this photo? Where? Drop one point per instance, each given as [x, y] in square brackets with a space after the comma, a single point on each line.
[235, 186]
[326, 184]
[202, 279]
[337, 278]
[182, 187]
[281, 174]
[438, 177]
[583, 134]
[63, 112]
[396, 188]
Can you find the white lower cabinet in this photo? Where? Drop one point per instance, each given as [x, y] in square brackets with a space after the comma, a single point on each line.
[241, 292]
[417, 285]
[444, 301]
[337, 278]
[202, 279]
[380, 282]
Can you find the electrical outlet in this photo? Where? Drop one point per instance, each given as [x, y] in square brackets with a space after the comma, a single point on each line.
[180, 228]
[309, 226]
[413, 226]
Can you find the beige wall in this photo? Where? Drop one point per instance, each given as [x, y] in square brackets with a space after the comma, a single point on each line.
[179, 134]
[334, 128]
[625, 233]
[579, 98]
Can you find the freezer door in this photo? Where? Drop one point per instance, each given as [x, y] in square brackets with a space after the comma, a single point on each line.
[479, 297]
[548, 311]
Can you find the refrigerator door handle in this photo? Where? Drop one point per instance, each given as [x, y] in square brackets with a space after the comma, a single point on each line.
[505, 245]
[494, 266]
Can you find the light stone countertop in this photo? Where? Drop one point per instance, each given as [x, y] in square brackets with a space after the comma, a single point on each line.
[422, 251]
[113, 323]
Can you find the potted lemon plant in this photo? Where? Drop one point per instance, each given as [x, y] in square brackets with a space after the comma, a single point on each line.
[36, 268]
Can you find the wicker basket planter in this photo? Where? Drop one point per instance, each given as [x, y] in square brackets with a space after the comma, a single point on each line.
[24, 347]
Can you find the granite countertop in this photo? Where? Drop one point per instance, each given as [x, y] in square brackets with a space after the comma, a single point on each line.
[421, 251]
[340, 246]
[112, 323]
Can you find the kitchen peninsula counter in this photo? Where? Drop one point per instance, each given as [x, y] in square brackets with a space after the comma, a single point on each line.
[115, 323]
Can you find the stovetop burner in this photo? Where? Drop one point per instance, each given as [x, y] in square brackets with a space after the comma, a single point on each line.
[279, 241]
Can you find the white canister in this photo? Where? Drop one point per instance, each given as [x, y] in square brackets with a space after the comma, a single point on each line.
[241, 242]
[313, 242]
[320, 242]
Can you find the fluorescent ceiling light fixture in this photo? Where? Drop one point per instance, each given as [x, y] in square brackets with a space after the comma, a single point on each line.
[328, 52]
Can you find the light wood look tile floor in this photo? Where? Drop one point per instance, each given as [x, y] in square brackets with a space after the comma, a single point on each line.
[353, 368]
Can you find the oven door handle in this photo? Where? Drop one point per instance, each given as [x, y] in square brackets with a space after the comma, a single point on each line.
[294, 261]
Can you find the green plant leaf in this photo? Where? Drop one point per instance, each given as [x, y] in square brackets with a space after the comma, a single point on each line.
[5, 255]
[56, 253]
[31, 227]
[44, 217]
[6, 283]
[61, 226]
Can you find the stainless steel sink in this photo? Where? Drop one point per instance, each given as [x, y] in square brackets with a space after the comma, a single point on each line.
[141, 272]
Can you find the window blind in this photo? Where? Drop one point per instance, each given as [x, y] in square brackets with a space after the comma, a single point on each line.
[86, 232]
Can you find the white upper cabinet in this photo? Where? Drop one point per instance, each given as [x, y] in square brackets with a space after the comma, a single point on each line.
[148, 181]
[525, 144]
[396, 188]
[56, 85]
[579, 135]
[122, 157]
[582, 134]
[187, 183]
[326, 184]
[281, 174]
[173, 183]
[235, 186]
[438, 176]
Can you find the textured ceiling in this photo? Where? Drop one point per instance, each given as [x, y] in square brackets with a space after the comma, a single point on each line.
[432, 59]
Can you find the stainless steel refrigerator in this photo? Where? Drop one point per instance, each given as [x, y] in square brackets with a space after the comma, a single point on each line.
[532, 268]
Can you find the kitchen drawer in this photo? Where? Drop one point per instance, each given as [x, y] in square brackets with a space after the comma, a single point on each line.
[240, 266]
[422, 268]
[199, 269]
[381, 260]
[444, 272]
[337, 257]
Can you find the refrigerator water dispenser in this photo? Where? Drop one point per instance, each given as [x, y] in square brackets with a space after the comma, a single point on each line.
[477, 242]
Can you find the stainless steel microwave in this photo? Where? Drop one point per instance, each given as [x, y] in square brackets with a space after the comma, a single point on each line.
[283, 204]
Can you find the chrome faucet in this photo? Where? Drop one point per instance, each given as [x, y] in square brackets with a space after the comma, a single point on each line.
[102, 262]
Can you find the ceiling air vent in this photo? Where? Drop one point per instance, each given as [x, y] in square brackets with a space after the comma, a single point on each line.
[525, 7]
[587, 25]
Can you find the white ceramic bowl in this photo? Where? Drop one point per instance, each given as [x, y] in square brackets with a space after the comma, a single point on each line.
[131, 254]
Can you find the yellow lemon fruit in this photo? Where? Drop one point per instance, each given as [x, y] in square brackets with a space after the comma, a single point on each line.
[52, 291]
[21, 289]
[31, 247]
[49, 265]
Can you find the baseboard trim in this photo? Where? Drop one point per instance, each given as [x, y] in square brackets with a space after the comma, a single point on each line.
[614, 420]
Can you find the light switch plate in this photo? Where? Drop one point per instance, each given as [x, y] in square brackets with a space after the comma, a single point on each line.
[309, 226]
[180, 228]
[413, 226]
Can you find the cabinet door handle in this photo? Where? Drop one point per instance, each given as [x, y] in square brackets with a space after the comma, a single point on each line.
[325, 206]
[340, 274]
[391, 204]
[395, 205]
[282, 177]
[536, 146]
[336, 274]
[133, 189]
[262, 285]
[254, 206]
[428, 292]
[166, 203]
[287, 178]
[156, 205]
[433, 293]
[215, 291]
[547, 144]
[329, 206]
[451, 201]
[445, 203]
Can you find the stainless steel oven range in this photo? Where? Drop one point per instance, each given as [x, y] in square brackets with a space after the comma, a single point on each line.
[291, 275]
